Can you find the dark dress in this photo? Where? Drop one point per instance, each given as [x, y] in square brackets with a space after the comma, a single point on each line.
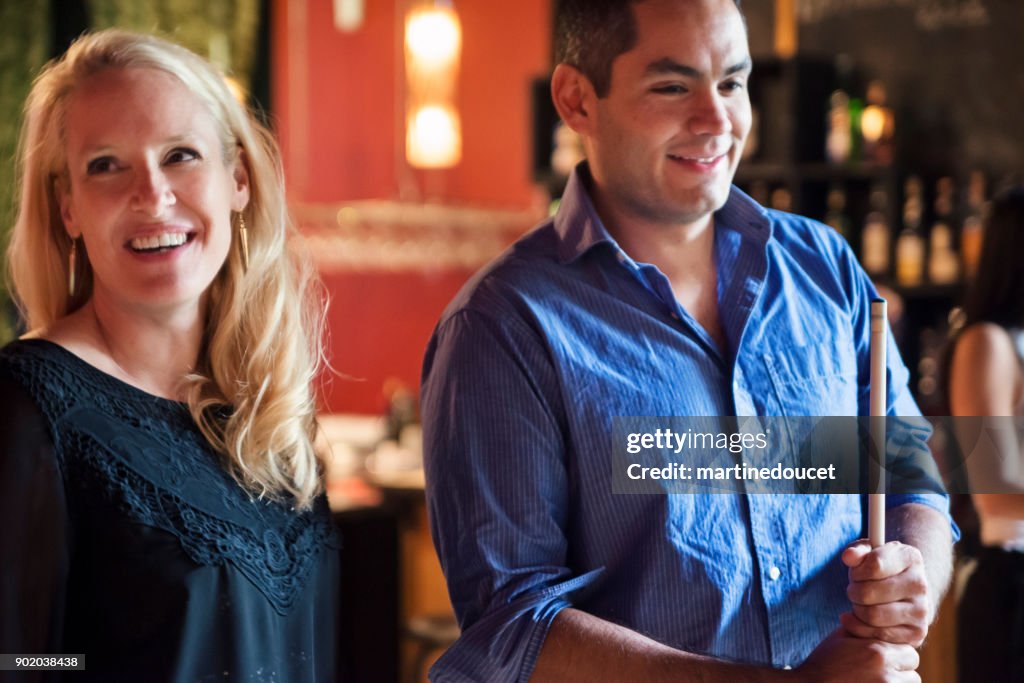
[122, 537]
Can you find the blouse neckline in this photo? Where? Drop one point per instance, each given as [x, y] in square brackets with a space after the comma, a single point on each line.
[113, 382]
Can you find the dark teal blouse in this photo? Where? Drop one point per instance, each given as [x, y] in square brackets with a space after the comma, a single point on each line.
[123, 537]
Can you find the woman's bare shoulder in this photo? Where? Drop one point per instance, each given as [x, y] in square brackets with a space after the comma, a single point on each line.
[985, 374]
[986, 342]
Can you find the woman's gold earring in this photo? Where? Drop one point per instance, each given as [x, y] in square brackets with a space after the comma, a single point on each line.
[72, 263]
[243, 238]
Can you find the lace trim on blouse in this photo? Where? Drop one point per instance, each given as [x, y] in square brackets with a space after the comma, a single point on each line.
[148, 458]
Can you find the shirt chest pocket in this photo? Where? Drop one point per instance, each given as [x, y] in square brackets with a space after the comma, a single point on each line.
[816, 378]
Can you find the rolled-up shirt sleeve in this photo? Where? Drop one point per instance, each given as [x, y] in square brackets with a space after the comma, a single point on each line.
[497, 492]
[34, 541]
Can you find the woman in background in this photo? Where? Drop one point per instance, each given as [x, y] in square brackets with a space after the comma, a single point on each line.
[161, 503]
[986, 378]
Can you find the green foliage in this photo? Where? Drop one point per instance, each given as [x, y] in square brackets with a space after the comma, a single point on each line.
[24, 48]
[223, 31]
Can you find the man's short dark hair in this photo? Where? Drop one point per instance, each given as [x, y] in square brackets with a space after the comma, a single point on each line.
[590, 34]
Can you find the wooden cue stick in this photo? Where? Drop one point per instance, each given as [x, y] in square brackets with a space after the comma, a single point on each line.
[876, 475]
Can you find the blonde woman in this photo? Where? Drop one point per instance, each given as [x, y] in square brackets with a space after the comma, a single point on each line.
[161, 501]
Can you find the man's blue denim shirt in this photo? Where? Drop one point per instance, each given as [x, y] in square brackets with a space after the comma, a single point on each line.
[563, 332]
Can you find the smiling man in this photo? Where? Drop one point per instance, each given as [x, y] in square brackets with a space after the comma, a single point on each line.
[660, 289]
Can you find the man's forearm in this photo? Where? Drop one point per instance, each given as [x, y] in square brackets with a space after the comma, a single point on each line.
[927, 530]
[582, 647]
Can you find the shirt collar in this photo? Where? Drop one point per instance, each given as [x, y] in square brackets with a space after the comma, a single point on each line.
[580, 229]
[745, 216]
[577, 224]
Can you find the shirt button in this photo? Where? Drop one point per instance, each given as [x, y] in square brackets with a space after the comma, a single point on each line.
[620, 257]
[774, 573]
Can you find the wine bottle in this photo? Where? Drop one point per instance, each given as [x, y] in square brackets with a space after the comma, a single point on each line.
[973, 228]
[875, 236]
[910, 245]
[943, 264]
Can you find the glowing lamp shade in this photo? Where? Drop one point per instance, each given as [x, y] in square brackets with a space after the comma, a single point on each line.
[433, 138]
[433, 43]
[433, 37]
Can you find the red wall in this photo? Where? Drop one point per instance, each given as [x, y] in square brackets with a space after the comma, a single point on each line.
[379, 325]
[334, 97]
[337, 107]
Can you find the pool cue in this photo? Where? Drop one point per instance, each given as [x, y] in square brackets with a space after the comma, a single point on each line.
[876, 495]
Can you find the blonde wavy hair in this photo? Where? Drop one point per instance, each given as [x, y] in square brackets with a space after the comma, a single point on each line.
[251, 390]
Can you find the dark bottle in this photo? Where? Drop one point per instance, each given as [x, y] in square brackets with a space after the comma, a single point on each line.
[836, 216]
